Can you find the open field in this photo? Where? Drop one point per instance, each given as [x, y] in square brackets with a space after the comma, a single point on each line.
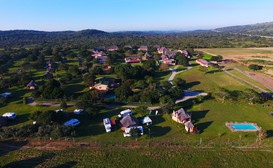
[241, 53]
[136, 156]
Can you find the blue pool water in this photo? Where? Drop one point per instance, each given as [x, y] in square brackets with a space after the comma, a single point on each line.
[242, 127]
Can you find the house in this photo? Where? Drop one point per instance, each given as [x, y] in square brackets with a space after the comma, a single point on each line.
[185, 53]
[128, 47]
[168, 61]
[32, 85]
[170, 53]
[132, 60]
[128, 121]
[202, 62]
[3, 121]
[162, 50]
[100, 87]
[157, 47]
[99, 55]
[106, 84]
[181, 116]
[147, 56]
[189, 127]
[143, 48]
[113, 48]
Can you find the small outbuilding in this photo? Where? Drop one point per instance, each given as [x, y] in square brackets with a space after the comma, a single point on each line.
[128, 121]
[32, 85]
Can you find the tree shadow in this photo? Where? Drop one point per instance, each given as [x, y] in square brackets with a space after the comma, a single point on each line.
[30, 162]
[157, 119]
[213, 71]
[19, 119]
[269, 133]
[158, 131]
[67, 164]
[202, 126]
[10, 145]
[191, 84]
[197, 115]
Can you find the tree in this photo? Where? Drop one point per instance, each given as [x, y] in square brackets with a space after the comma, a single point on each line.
[149, 65]
[123, 92]
[89, 79]
[182, 60]
[255, 67]
[92, 112]
[73, 70]
[179, 82]
[222, 94]
[52, 90]
[164, 67]
[252, 97]
[165, 85]
[141, 110]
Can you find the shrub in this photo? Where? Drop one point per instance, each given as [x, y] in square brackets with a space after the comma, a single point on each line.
[63, 105]
[92, 112]
[255, 67]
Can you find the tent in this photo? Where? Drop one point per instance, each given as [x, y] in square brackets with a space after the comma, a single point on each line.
[32, 85]
[127, 121]
[147, 120]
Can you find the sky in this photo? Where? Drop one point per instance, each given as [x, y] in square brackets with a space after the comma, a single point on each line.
[127, 15]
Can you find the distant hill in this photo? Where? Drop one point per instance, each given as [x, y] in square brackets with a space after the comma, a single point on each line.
[30, 37]
[262, 29]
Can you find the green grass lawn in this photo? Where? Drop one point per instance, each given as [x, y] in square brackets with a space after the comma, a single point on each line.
[237, 51]
[139, 157]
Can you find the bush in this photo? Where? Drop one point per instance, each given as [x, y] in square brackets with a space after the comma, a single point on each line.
[255, 67]
[24, 100]
[63, 105]
[92, 112]
[3, 101]
[179, 82]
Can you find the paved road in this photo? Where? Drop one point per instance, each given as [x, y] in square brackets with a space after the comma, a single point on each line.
[251, 84]
[174, 73]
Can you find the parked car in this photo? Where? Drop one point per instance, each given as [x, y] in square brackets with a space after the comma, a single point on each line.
[124, 113]
[107, 124]
[78, 111]
[9, 115]
[72, 123]
[127, 130]
[59, 110]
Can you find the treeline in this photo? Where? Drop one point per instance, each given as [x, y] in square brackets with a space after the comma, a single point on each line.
[95, 38]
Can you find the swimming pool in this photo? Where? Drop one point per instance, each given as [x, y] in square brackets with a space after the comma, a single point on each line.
[243, 127]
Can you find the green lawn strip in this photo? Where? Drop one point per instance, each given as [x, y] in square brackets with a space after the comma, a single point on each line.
[240, 75]
[140, 157]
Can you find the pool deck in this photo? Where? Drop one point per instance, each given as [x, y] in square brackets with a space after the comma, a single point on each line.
[229, 125]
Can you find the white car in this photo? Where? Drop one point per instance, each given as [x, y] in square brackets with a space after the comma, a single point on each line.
[9, 115]
[72, 123]
[127, 130]
[124, 113]
[78, 111]
[59, 110]
[107, 124]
